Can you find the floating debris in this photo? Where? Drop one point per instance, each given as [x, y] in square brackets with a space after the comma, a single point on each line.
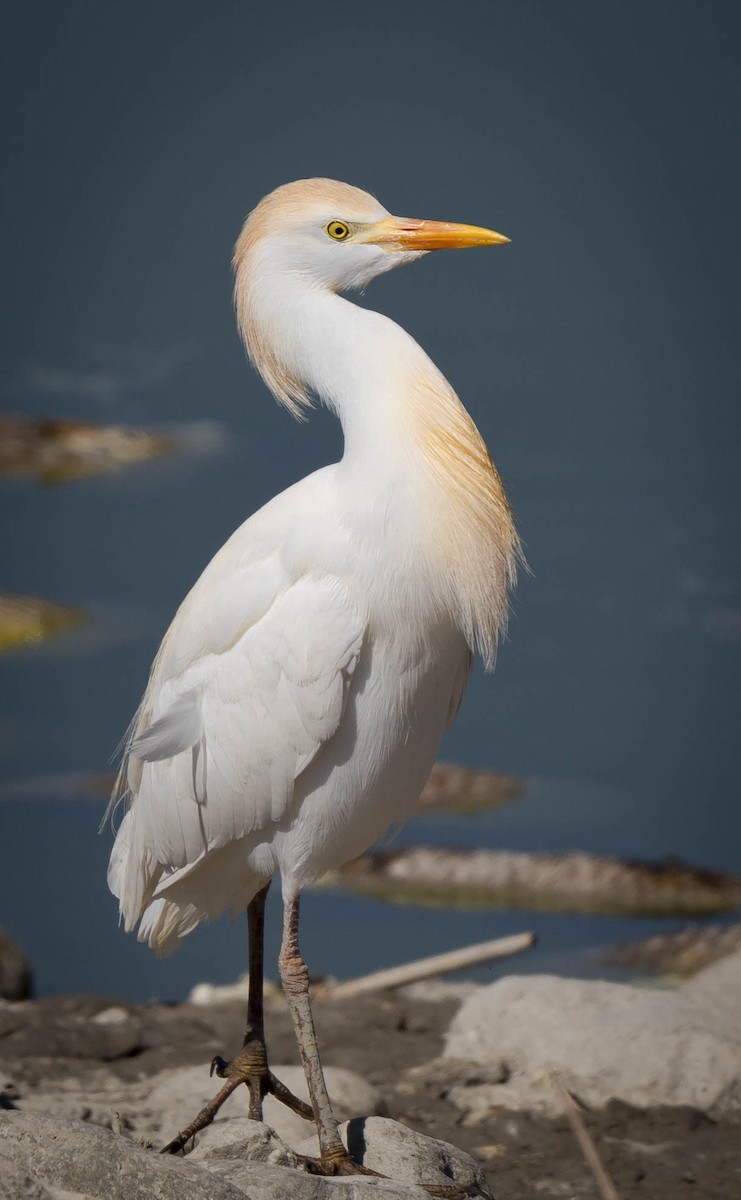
[455, 789]
[680, 954]
[56, 451]
[574, 882]
[27, 620]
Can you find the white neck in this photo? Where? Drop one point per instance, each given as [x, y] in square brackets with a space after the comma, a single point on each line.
[406, 435]
[358, 362]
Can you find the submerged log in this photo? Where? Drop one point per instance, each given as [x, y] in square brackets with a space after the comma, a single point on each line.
[56, 451]
[25, 620]
[681, 954]
[574, 882]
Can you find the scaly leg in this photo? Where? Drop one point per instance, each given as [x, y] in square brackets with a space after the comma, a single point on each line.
[333, 1157]
[250, 1065]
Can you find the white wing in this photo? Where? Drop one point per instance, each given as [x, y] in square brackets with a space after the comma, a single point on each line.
[249, 683]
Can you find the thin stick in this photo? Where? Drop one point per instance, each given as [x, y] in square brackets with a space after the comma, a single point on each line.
[426, 968]
[584, 1138]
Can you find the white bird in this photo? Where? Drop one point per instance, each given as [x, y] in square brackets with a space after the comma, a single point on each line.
[297, 702]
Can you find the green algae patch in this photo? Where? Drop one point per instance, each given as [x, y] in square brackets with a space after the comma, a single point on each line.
[29, 620]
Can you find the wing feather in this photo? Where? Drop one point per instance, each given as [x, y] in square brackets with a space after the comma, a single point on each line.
[179, 728]
[236, 708]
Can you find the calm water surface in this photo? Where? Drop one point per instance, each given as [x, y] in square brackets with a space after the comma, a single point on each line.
[596, 353]
[612, 698]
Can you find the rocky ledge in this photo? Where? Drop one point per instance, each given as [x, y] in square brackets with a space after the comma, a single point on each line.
[440, 1087]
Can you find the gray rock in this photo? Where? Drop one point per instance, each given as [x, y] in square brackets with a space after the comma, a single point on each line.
[442, 1074]
[605, 1041]
[156, 1108]
[42, 1158]
[717, 992]
[262, 1182]
[81, 1158]
[176, 1096]
[50, 1030]
[15, 971]
[407, 1157]
[252, 1141]
[437, 991]
[17, 1183]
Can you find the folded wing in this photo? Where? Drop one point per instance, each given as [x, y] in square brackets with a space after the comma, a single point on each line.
[250, 682]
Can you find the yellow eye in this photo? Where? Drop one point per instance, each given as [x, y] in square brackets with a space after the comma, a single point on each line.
[338, 230]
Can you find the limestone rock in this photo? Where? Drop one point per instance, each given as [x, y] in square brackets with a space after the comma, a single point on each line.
[208, 994]
[16, 1183]
[251, 1141]
[605, 1041]
[259, 1181]
[82, 1158]
[407, 1157]
[71, 1029]
[716, 991]
[176, 1097]
[438, 991]
[42, 1158]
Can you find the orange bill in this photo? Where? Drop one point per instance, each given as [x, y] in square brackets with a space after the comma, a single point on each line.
[406, 233]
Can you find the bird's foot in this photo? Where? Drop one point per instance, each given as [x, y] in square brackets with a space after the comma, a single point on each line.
[249, 1067]
[339, 1162]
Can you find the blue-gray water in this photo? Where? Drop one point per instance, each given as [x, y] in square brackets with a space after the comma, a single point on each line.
[596, 353]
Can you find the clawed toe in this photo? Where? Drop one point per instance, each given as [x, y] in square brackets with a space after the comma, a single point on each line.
[219, 1066]
[342, 1164]
[335, 1164]
[248, 1067]
[275, 1088]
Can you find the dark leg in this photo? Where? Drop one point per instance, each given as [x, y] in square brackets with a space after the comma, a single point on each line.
[250, 1065]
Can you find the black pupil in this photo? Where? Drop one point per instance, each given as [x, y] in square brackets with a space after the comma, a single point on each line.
[339, 230]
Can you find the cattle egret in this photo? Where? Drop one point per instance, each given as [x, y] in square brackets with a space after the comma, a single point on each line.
[297, 702]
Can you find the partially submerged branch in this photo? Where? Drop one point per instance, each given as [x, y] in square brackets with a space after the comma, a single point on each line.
[430, 968]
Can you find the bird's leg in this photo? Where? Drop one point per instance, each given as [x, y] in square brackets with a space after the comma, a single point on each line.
[333, 1157]
[250, 1065]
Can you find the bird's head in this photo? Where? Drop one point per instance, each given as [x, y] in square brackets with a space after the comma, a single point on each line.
[318, 236]
[339, 237]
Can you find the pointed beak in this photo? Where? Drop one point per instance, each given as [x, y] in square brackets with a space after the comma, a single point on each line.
[406, 233]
